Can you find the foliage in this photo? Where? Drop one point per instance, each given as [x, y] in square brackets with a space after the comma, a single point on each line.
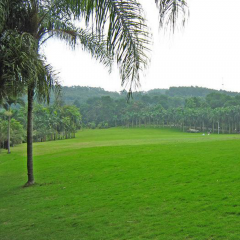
[127, 33]
[17, 132]
[50, 123]
[171, 12]
[19, 63]
[204, 114]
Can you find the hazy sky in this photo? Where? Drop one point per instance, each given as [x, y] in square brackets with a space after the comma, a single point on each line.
[206, 53]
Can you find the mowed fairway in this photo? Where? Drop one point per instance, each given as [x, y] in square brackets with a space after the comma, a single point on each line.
[124, 184]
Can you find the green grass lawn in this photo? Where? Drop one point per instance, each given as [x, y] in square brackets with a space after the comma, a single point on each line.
[124, 184]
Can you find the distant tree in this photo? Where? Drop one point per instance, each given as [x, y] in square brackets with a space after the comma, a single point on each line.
[6, 103]
[195, 102]
[216, 99]
[17, 132]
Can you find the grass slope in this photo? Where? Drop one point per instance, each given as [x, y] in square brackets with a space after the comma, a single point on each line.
[124, 184]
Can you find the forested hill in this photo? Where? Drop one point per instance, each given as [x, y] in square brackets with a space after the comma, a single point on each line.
[194, 92]
[78, 95]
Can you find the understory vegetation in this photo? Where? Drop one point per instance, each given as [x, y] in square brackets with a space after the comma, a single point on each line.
[137, 183]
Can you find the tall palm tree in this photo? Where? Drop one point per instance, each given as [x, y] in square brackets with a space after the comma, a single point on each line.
[127, 37]
[21, 67]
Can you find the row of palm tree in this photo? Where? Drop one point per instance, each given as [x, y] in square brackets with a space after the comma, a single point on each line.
[105, 112]
[53, 122]
[57, 122]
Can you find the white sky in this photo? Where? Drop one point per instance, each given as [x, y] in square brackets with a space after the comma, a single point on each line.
[206, 53]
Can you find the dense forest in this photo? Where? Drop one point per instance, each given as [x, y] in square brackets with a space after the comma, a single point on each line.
[182, 107]
[216, 110]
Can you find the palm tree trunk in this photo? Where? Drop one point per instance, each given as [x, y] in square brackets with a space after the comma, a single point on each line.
[30, 137]
[9, 120]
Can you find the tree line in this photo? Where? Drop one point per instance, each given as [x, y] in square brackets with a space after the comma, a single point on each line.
[53, 122]
[216, 112]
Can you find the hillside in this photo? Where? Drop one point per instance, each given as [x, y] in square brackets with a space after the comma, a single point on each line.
[80, 95]
[195, 92]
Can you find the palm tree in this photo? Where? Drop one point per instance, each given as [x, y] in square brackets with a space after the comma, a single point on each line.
[127, 39]
[7, 106]
[20, 67]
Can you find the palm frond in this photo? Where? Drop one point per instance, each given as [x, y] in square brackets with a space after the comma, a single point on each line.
[64, 29]
[45, 81]
[96, 45]
[2, 15]
[16, 60]
[172, 12]
[127, 32]
[123, 23]
[89, 42]
[128, 38]
[21, 65]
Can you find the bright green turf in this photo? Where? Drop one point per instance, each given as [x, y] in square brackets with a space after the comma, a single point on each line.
[124, 184]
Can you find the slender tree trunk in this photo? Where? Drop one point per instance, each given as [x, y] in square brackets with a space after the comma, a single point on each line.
[9, 120]
[30, 137]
